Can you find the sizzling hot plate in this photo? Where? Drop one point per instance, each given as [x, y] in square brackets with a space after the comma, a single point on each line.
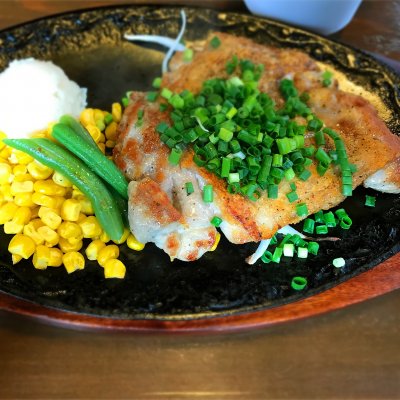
[88, 45]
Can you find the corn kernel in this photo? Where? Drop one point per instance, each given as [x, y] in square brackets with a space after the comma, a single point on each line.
[38, 170]
[87, 117]
[7, 212]
[90, 227]
[22, 215]
[19, 157]
[2, 136]
[70, 210]
[19, 170]
[76, 193]
[5, 153]
[49, 188]
[43, 200]
[86, 206]
[11, 228]
[66, 246]
[95, 133]
[15, 258]
[111, 131]
[110, 144]
[124, 237]
[49, 217]
[133, 243]
[24, 200]
[6, 191]
[116, 111]
[104, 237]
[75, 239]
[92, 251]
[69, 230]
[35, 212]
[217, 239]
[41, 257]
[99, 119]
[50, 236]
[22, 246]
[56, 257]
[21, 187]
[73, 261]
[114, 269]
[61, 180]
[23, 178]
[107, 253]
[102, 147]
[30, 230]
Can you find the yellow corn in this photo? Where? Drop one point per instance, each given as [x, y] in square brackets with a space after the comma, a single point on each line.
[7, 212]
[5, 153]
[124, 237]
[66, 246]
[110, 144]
[95, 133]
[111, 131]
[90, 227]
[6, 191]
[61, 180]
[116, 111]
[44, 200]
[133, 243]
[22, 245]
[19, 170]
[69, 230]
[56, 257]
[104, 237]
[49, 217]
[217, 239]
[15, 258]
[2, 198]
[22, 215]
[41, 257]
[38, 170]
[76, 193]
[102, 147]
[49, 188]
[114, 269]
[107, 253]
[21, 187]
[35, 212]
[92, 251]
[49, 235]
[24, 200]
[99, 119]
[23, 178]
[11, 228]
[70, 210]
[5, 173]
[30, 230]
[86, 206]
[19, 157]
[73, 261]
[87, 117]
[2, 136]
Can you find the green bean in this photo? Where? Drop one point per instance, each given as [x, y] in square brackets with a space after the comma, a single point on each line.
[62, 161]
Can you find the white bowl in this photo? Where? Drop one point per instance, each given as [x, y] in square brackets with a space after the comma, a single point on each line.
[322, 16]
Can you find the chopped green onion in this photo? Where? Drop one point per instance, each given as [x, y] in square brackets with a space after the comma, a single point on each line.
[308, 226]
[313, 247]
[341, 213]
[370, 201]
[272, 191]
[215, 42]
[187, 55]
[292, 196]
[276, 256]
[176, 101]
[108, 119]
[301, 210]
[304, 175]
[288, 249]
[298, 283]
[166, 93]
[321, 230]
[339, 262]
[157, 83]
[125, 101]
[319, 138]
[163, 106]
[266, 258]
[225, 167]
[208, 194]
[346, 222]
[233, 177]
[327, 78]
[319, 217]
[329, 219]
[175, 156]
[322, 156]
[225, 135]
[189, 188]
[302, 252]
[216, 221]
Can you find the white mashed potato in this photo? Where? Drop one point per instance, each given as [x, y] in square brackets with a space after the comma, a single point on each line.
[34, 93]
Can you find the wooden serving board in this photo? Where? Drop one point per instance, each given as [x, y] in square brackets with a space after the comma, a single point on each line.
[380, 280]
